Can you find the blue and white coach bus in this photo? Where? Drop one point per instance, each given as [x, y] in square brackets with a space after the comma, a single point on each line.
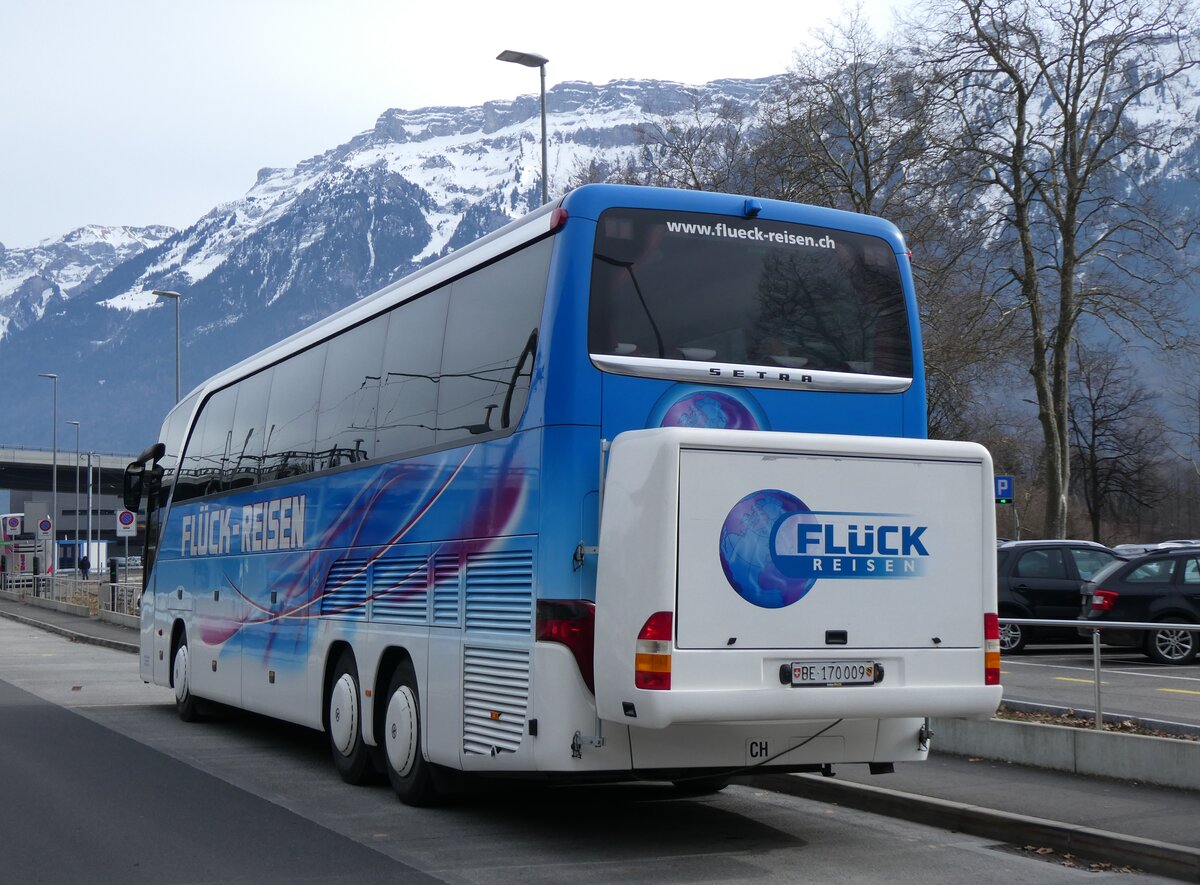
[635, 487]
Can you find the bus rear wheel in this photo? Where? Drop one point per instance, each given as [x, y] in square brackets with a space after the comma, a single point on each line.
[187, 705]
[410, 775]
[343, 722]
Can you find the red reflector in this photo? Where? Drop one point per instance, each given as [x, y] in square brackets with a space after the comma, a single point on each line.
[558, 217]
[1104, 600]
[653, 681]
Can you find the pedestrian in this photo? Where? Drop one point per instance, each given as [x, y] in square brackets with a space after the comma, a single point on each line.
[85, 566]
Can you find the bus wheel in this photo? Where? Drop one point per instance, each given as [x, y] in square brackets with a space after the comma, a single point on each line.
[407, 769]
[343, 723]
[186, 703]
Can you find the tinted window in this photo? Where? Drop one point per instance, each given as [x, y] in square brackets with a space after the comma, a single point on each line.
[292, 415]
[411, 366]
[206, 458]
[172, 439]
[719, 289]
[1156, 571]
[249, 434]
[1089, 562]
[1191, 571]
[350, 396]
[1047, 563]
[487, 360]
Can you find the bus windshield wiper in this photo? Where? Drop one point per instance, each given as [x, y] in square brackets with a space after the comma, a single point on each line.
[628, 265]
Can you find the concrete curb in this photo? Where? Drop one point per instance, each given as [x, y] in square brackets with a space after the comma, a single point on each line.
[133, 622]
[73, 635]
[1167, 762]
[1160, 858]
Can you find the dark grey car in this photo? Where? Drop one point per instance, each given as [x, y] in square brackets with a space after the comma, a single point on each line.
[1043, 579]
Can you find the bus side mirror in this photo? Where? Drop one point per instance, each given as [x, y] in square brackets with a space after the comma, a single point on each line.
[131, 488]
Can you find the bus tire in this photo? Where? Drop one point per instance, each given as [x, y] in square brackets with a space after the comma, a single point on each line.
[410, 775]
[343, 722]
[187, 705]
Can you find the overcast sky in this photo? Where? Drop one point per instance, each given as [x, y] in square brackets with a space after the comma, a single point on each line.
[144, 111]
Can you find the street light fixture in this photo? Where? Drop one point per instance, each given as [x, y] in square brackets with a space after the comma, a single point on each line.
[533, 60]
[174, 296]
[54, 471]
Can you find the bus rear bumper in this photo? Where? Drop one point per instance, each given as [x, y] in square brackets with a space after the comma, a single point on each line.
[661, 709]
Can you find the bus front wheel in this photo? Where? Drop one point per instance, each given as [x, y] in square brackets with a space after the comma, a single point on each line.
[407, 769]
[186, 703]
[343, 723]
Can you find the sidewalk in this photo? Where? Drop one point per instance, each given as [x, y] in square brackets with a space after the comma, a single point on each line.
[1148, 827]
[79, 629]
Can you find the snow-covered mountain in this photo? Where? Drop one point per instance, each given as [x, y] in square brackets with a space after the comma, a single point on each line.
[32, 279]
[300, 244]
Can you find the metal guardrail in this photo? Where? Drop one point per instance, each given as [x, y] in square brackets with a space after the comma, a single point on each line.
[1096, 627]
[95, 593]
[123, 598]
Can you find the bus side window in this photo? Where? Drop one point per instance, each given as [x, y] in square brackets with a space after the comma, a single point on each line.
[492, 315]
[350, 396]
[411, 365]
[292, 415]
[204, 461]
[246, 443]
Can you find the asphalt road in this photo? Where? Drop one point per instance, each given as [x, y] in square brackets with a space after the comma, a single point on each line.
[100, 782]
[1130, 683]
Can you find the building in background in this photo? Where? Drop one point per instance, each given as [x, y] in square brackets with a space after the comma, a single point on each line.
[85, 521]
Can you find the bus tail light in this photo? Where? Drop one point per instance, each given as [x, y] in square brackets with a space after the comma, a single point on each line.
[571, 622]
[652, 665]
[1104, 600]
[558, 218]
[991, 649]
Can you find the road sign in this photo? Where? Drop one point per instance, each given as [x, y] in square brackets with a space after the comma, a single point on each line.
[45, 529]
[12, 525]
[1004, 489]
[126, 523]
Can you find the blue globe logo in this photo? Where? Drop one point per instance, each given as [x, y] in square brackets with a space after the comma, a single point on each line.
[747, 538]
[691, 406]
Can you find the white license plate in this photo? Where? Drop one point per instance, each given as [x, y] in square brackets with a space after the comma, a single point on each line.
[833, 672]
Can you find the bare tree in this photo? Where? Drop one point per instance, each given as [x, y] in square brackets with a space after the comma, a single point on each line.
[1043, 94]
[706, 148]
[845, 127]
[1116, 439]
[848, 127]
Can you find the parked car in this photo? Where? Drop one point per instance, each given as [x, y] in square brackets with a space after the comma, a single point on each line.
[1161, 587]
[1044, 579]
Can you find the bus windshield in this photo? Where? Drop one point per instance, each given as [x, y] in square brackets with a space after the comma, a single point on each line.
[711, 288]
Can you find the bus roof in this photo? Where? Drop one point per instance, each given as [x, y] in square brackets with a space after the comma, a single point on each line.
[587, 201]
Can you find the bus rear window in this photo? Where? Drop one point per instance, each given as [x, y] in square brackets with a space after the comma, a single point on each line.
[717, 289]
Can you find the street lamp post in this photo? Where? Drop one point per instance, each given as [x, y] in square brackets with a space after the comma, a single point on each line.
[76, 423]
[174, 296]
[533, 60]
[54, 472]
[89, 501]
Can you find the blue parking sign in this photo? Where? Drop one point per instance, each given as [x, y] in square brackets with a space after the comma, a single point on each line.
[1004, 489]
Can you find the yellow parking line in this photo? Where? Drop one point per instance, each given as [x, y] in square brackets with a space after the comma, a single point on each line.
[1072, 679]
[1178, 690]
